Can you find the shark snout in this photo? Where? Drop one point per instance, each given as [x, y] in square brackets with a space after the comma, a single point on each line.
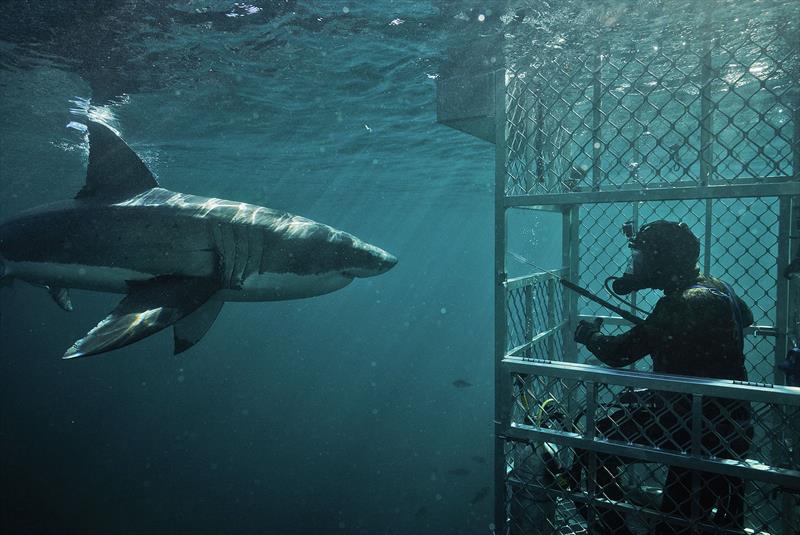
[372, 261]
[386, 262]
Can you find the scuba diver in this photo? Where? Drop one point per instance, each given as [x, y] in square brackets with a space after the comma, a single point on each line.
[695, 329]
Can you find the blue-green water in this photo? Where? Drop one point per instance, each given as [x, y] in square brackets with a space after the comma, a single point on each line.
[335, 414]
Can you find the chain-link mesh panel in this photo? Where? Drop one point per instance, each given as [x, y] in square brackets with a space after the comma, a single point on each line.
[545, 497]
[698, 101]
[743, 240]
[687, 105]
[744, 251]
[535, 317]
[553, 486]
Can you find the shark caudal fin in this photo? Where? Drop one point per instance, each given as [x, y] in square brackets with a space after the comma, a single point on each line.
[115, 172]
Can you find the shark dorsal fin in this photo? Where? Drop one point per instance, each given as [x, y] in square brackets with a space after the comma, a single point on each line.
[115, 172]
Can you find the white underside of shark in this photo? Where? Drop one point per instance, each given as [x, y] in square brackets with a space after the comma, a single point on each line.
[262, 287]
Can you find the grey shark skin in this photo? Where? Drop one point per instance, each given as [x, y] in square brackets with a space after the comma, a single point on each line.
[177, 257]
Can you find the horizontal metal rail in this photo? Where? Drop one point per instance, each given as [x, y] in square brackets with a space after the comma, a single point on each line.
[538, 337]
[534, 278]
[745, 469]
[669, 192]
[758, 330]
[745, 391]
[622, 507]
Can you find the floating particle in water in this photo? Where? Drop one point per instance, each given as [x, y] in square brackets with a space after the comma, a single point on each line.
[443, 310]
[396, 22]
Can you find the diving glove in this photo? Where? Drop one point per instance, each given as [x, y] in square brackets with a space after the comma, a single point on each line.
[587, 330]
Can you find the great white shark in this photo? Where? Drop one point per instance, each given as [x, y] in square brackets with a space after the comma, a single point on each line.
[176, 257]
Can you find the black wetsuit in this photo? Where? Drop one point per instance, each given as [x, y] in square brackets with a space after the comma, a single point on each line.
[695, 330]
[691, 331]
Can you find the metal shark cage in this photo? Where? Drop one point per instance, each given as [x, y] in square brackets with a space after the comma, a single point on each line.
[700, 125]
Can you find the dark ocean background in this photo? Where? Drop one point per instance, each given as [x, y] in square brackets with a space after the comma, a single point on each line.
[335, 414]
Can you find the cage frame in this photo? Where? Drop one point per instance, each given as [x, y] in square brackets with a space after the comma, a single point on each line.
[518, 359]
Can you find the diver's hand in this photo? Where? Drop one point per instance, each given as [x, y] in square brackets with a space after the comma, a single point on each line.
[587, 330]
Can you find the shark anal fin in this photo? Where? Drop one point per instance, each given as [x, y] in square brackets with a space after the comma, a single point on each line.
[190, 329]
[149, 307]
[115, 172]
[61, 297]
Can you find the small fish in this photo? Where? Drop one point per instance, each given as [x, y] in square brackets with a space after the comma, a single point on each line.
[480, 495]
[461, 383]
[458, 472]
[478, 459]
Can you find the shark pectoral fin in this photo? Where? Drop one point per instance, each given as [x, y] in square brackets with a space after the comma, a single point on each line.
[61, 297]
[115, 172]
[189, 330]
[149, 307]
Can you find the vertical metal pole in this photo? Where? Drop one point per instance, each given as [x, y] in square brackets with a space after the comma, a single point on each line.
[782, 287]
[783, 436]
[566, 340]
[639, 157]
[528, 319]
[502, 380]
[591, 469]
[708, 235]
[570, 222]
[789, 506]
[538, 139]
[707, 139]
[794, 237]
[551, 317]
[793, 328]
[635, 219]
[596, 121]
[697, 437]
[706, 112]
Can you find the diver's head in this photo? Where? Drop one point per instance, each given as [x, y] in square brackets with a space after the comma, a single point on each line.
[664, 255]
